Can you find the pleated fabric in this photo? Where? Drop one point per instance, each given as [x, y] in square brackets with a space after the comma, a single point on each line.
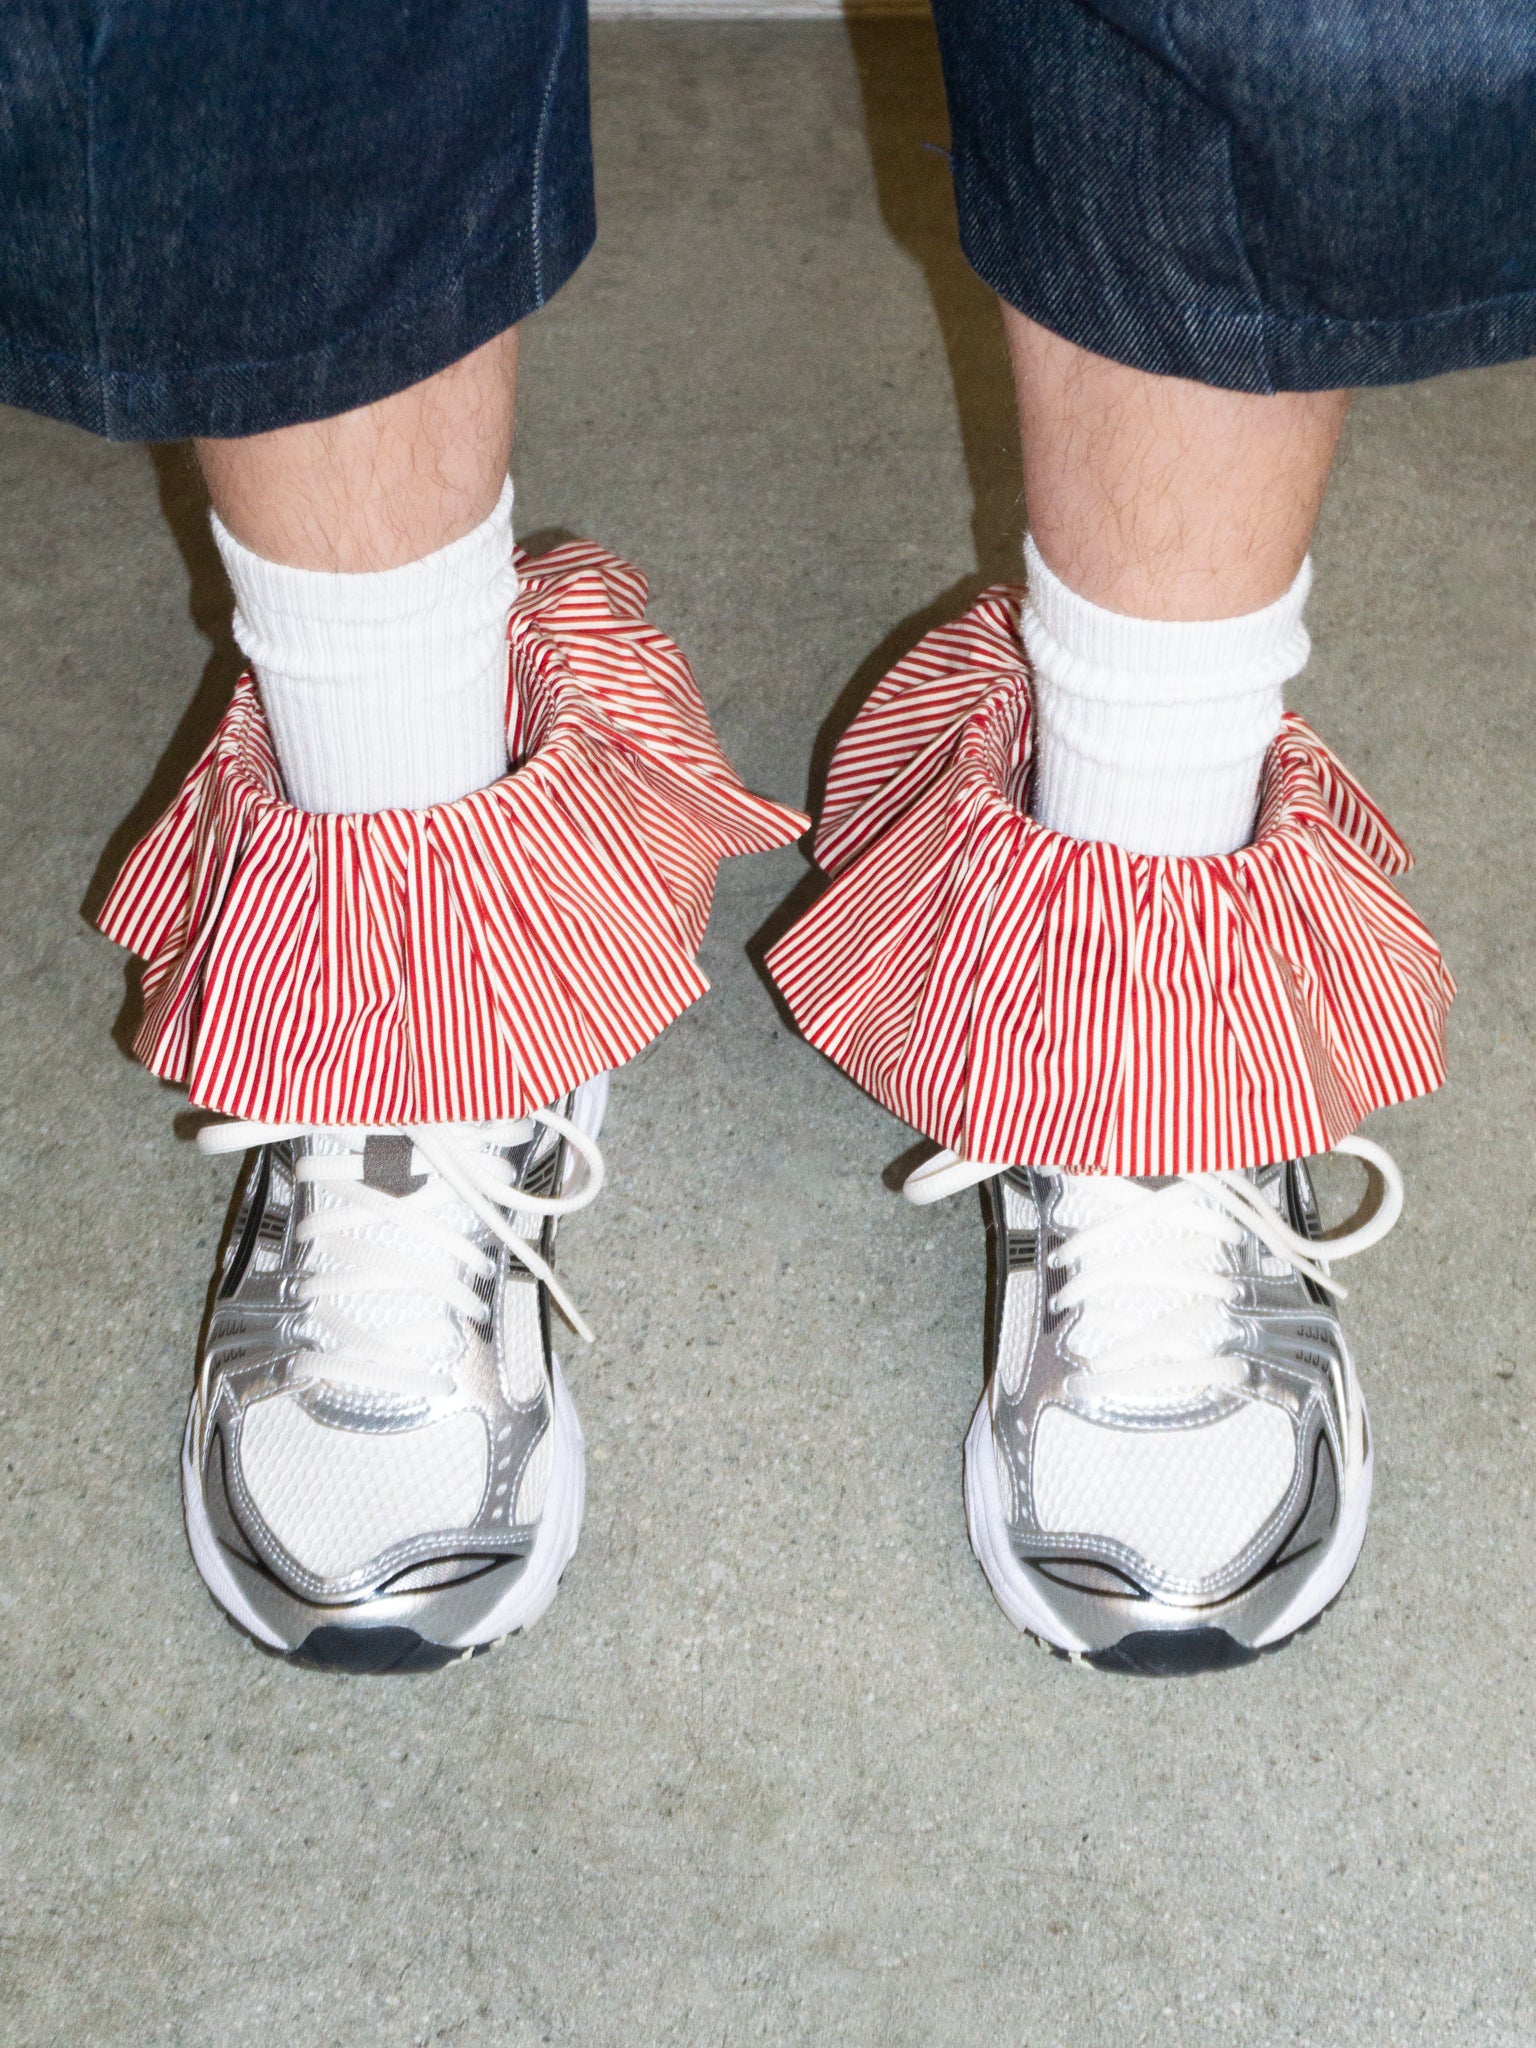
[468, 961]
[1027, 998]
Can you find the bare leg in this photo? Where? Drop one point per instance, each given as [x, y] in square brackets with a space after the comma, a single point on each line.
[378, 487]
[1161, 498]
[371, 560]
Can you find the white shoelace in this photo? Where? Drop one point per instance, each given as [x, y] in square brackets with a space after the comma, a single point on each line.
[380, 1244]
[1153, 1262]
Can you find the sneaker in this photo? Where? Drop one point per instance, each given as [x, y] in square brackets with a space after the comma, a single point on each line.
[1170, 1468]
[383, 1470]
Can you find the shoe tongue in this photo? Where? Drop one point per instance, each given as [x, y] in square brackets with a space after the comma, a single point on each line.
[415, 1190]
[1119, 1308]
[360, 1250]
[1091, 1197]
[393, 1166]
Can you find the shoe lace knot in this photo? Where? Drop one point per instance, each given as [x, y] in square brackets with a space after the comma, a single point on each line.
[392, 1231]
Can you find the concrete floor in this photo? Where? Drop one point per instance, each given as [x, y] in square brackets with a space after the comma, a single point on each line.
[774, 1768]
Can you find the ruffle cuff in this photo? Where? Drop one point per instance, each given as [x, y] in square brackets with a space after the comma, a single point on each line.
[469, 961]
[1026, 998]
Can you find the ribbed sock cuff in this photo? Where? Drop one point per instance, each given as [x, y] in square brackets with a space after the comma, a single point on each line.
[384, 690]
[1152, 733]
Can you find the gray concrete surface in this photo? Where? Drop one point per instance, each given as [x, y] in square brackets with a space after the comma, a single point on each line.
[774, 1768]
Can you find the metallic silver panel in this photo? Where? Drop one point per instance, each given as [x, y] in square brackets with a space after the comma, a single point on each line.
[1293, 1350]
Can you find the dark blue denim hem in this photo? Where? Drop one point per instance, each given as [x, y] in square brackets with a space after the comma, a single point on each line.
[1261, 352]
[1252, 194]
[397, 349]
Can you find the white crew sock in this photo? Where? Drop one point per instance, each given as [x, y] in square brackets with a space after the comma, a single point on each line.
[385, 690]
[1152, 733]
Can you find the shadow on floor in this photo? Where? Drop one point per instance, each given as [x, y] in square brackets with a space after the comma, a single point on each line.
[907, 128]
[184, 505]
[906, 125]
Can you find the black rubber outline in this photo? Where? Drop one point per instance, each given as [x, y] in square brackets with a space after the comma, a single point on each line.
[1173, 1652]
[261, 1187]
[372, 1651]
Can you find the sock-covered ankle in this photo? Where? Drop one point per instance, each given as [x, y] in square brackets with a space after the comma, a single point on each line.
[1149, 732]
[384, 690]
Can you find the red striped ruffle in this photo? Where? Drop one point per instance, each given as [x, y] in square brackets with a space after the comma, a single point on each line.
[473, 960]
[1024, 997]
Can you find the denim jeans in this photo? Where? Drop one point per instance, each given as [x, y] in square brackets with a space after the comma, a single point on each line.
[223, 216]
[1263, 194]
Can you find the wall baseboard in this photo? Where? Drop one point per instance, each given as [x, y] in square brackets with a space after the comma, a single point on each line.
[752, 10]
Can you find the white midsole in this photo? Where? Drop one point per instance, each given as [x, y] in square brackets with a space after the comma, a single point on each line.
[1017, 1594]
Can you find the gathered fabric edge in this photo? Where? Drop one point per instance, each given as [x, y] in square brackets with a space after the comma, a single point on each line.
[473, 960]
[1021, 997]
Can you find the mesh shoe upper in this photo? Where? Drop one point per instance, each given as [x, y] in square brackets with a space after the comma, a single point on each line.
[1161, 1416]
[372, 1400]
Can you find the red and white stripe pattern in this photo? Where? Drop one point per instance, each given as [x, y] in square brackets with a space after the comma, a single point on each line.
[470, 961]
[1026, 998]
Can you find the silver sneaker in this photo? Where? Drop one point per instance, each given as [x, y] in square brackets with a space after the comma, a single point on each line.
[382, 1468]
[1170, 1468]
